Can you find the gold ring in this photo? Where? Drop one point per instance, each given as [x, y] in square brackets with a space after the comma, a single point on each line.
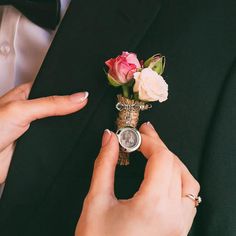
[197, 200]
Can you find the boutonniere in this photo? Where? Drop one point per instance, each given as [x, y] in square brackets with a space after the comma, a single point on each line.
[141, 83]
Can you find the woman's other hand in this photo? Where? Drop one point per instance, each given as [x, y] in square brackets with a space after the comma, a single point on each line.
[17, 112]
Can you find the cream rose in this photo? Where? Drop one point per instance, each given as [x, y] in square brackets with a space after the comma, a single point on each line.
[150, 86]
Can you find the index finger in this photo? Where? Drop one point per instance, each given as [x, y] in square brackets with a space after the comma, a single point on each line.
[52, 106]
[158, 171]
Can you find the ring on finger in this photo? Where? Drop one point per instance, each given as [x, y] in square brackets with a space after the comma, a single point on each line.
[197, 200]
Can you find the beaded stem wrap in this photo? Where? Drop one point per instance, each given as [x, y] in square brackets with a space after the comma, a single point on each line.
[128, 117]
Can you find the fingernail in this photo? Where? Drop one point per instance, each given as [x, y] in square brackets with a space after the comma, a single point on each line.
[106, 137]
[150, 125]
[79, 97]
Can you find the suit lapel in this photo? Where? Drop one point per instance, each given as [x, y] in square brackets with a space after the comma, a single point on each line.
[88, 36]
[218, 182]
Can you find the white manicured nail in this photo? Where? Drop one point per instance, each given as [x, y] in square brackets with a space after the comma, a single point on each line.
[79, 97]
[150, 125]
[106, 137]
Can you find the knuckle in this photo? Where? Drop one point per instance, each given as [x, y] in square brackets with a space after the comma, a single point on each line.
[53, 99]
[165, 154]
[196, 185]
[101, 162]
[177, 167]
[98, 162]
[54, 104]
[88, 199]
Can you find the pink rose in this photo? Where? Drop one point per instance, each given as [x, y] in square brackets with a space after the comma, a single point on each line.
[150, 86]
[122, 68]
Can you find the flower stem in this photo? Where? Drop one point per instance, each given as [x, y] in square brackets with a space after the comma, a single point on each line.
[125, 91]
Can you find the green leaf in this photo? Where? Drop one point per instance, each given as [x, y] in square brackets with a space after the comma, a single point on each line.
[112, 81]
[152, 58]
[158, 66]
[156, 63]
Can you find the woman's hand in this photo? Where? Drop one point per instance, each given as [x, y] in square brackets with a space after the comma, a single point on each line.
[16, 114]
[158, 208]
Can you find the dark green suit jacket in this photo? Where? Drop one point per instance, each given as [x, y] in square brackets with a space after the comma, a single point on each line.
[52, 165]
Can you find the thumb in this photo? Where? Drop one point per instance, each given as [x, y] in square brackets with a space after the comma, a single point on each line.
[105, 165]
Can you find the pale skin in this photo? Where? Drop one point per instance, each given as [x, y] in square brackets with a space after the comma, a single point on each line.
[17, 112]
[158, 208]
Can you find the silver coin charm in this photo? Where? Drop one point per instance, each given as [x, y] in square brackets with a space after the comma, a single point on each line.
[129, 139]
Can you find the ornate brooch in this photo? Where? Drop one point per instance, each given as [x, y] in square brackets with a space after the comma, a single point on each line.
[141, 83]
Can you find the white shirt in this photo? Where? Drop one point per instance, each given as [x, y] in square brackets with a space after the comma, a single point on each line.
[23, 47]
